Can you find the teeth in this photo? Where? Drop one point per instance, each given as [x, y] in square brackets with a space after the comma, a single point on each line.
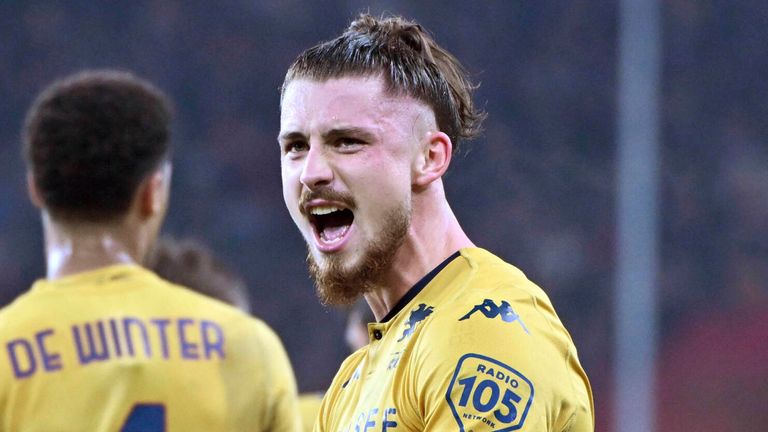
[323, 210]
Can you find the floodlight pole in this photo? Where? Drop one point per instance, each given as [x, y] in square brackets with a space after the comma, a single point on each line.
[637, 216]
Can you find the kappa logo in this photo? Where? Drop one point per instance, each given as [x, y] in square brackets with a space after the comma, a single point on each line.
[417, 315]
[489, 308]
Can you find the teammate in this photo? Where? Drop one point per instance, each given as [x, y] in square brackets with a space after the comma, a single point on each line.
[464, 341]
[103, 344]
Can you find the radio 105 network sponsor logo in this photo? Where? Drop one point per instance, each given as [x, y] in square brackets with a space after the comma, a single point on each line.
[487, 395]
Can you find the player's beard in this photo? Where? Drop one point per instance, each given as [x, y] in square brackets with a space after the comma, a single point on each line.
[340, 284]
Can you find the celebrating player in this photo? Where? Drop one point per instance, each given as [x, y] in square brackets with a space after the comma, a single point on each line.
[103, 344]
[464, 341]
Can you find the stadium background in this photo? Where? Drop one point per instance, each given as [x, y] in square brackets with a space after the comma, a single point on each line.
[538, 188]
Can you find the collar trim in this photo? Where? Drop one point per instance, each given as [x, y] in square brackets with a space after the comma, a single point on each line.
[416, 289]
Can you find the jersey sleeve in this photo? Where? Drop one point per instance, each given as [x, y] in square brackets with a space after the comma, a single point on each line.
[260, 375]
[325, 415]
[493, 369]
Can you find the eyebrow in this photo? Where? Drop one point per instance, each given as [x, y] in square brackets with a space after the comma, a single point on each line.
[290, 136]
[330, 135]
[342, 132]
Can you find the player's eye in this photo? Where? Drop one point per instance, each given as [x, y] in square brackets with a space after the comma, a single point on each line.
[349, 143]
[292, 147]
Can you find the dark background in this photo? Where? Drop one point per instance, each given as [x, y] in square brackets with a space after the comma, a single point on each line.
[538, 188]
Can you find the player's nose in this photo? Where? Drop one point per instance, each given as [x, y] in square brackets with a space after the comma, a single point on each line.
[317, 170]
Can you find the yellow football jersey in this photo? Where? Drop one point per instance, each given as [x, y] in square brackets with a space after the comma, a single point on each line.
[309, 405]
[119, 349]
[474, 346]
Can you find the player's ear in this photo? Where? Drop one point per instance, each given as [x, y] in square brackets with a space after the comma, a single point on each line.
[434, 160]
[33, 191]
[153, 191]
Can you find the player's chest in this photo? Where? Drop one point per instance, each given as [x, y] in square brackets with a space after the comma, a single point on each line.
[376, 395]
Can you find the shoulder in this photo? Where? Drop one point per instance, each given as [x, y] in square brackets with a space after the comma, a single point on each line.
[478, 283]
[8, 311]
[498, 288]
[498, 330]
[349, 372]
[22, 311]
[247, 334]
[494, 297]
[497, 315]
[196, 302]
[488, 272]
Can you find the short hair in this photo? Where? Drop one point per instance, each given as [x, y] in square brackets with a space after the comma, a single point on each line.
[91, 138]
[408, 59]
[192, 265]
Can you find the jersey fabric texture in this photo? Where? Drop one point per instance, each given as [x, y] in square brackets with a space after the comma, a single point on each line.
[309, 405]
[474, 346]
[120, 349]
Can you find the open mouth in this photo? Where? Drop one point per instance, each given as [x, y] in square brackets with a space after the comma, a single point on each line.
[331, 223]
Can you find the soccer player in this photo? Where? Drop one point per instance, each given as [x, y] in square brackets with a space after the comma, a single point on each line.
[102, 344]
[464, 341]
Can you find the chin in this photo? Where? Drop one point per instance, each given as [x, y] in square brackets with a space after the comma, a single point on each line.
[338, 262]
[360, 263]
[338, 281]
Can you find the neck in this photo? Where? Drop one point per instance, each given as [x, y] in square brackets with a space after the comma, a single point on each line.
[434, 235]
[71, 249]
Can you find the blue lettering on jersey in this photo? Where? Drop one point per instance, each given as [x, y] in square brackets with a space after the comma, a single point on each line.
[113, 338]
[22, 357]
[212, 339]
[388, 421]
[25, 355]
[487, 395]
[417, 315]
[51, 361]
[137, 324]
[188, 348]
[96, 349]
[374, 420]
[394, 360]
[489, 308]
[370, 422]
[162, 325]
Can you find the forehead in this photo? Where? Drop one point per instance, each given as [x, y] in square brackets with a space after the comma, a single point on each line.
[347, 101]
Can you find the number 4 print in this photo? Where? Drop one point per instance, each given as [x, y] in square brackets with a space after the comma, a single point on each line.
[145, 418]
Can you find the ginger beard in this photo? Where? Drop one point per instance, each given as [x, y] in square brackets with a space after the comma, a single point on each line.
[342, 283]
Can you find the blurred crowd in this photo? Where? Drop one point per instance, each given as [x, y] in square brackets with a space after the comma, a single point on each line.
[537, 188]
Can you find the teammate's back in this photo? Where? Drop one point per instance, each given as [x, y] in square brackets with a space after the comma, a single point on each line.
[121, 349]
[102, 344]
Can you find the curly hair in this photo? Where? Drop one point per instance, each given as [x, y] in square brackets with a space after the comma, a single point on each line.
[91, 138]
[409, 60]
